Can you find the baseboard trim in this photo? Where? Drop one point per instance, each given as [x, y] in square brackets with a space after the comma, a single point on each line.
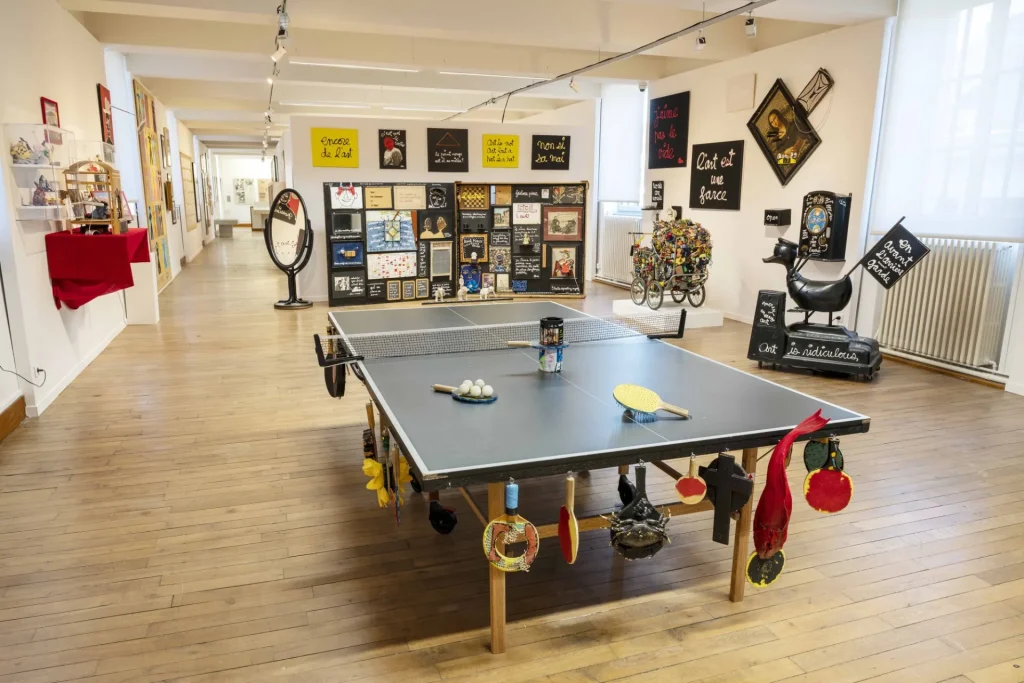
[1015, 387]
[12, 417]
[41, 403]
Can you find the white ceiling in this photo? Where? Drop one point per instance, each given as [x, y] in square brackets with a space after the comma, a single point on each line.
[208, 60]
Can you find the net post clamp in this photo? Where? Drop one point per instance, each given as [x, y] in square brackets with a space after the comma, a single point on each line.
[326, 362]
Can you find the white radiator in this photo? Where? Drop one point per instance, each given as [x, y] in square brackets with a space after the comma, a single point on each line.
[614, 262]
[953, 307]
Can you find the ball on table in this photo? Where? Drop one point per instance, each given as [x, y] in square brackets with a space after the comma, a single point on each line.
[479, 383]
[487, 391]
[475, 391]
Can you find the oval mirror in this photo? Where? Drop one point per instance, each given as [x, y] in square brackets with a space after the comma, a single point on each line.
[289, 241]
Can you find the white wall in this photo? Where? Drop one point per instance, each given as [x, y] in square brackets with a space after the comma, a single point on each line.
[309, 180]
[66, 70]
[10, 386]
[845, 121]
[231, 166]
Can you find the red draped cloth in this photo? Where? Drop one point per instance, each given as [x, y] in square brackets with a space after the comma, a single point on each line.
[83, 267]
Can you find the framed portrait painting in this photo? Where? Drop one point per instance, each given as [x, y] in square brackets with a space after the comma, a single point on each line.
[783, 133]
[563, 223]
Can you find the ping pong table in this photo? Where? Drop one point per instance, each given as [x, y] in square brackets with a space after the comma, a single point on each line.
[551, 423]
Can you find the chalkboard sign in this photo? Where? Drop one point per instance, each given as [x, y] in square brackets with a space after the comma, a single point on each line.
[563, 287]
[391, 148]
[768, 334]
[894, 255]
[526, 268]
[526, 239]
[717, 175]
[447, 150]
[444, 285]
[376, 290]
[668, 130]
[501, 238]
[550, 153]
[658, 194]
[474, 221]
[472, 244]
[439, 196]
[779, 218]
[423, 259]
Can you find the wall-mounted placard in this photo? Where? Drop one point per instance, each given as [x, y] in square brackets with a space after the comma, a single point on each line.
[335, 147]
[346, 225]
[394, 290]
[472, 246]
[564, 287]
[501, 195]
[376, 290]
[423, 259]
[448, 150]
[526, 239]
[422, 288]
[501, 238]
[894, 255]
[563, 223]
[526, 214]
[435, 225]
[474, 197]
[474, 221]
[378, 197]
[443, 285]
[717, 175]
[526, 193]
[526, 268]
[410, 197]
[391, 144]
[668, 128]
[779, 218]
[658, 194]
[389, 231]
[566, 194]
[500, 151]
[408, 290]
[349, 285]
[387, 266]
[550, 153]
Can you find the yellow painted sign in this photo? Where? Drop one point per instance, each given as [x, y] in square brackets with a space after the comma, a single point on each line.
[335, 147]
[501, 151]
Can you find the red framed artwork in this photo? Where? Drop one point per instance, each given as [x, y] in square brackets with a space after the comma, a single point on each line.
[106, 114]
[51, 113]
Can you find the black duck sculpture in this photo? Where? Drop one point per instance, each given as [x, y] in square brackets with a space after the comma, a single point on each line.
[811, 295]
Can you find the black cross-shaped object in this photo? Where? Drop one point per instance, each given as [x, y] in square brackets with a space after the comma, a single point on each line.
[729, 488]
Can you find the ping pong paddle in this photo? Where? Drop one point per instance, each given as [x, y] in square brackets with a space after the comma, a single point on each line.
[507, 529]
[454, 391]
[644, 403]
[691, 488]
[828, 489]
[568, 527]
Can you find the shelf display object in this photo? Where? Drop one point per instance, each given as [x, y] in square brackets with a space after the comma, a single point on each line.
[417, 239]
[97, 203]
[37, 155]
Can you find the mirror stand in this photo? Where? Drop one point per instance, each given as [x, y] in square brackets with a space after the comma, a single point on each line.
[293, 301]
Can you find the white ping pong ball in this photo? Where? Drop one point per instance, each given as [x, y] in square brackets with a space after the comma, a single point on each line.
[488, 390]
[474, 391]
[466, 383]
[479, 383]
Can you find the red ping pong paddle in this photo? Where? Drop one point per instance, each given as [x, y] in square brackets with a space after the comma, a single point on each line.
[568, 527]
[691, 488]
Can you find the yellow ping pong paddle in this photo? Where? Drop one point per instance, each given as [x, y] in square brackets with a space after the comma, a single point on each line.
[644, 403]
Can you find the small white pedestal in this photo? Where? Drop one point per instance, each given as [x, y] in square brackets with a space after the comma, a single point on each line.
[695, 317]
[142, 301]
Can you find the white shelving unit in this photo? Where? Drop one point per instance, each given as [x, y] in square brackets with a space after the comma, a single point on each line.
[37, 155]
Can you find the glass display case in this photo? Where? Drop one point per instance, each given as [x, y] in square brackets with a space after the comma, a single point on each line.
[37, 155]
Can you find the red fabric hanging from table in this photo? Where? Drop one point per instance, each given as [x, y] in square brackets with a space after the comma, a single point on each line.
[83, 267]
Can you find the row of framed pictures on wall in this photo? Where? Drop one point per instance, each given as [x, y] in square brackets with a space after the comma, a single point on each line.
[390, 242]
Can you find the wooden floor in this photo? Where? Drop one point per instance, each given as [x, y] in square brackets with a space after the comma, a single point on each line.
[192, 509]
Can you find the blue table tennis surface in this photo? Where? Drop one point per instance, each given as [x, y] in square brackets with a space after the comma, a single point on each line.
[551, 423]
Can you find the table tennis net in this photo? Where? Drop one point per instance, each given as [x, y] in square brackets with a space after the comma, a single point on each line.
[496, 337]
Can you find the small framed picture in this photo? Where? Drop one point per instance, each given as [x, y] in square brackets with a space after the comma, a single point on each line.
[394, 290]
[563, 261]
[487, 280]
[473, 247]
[502, 217]
[563, 223]
[502, 282]
[347, 253]
[51, 112]
[408, 290]
[422, 288]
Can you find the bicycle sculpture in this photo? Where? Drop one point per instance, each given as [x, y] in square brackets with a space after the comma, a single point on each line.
[678, 260]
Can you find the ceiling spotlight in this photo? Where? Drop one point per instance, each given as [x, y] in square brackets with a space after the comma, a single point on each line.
[270, 80]
[282, 22]
[750, 25]
[572, 84]
[279, 55]
[701, 41]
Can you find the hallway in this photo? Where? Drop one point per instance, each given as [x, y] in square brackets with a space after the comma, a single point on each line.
[193, 508]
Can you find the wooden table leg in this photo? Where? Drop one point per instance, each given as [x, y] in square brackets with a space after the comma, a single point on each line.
[496, 508]
[739, 551]
[624, 469]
